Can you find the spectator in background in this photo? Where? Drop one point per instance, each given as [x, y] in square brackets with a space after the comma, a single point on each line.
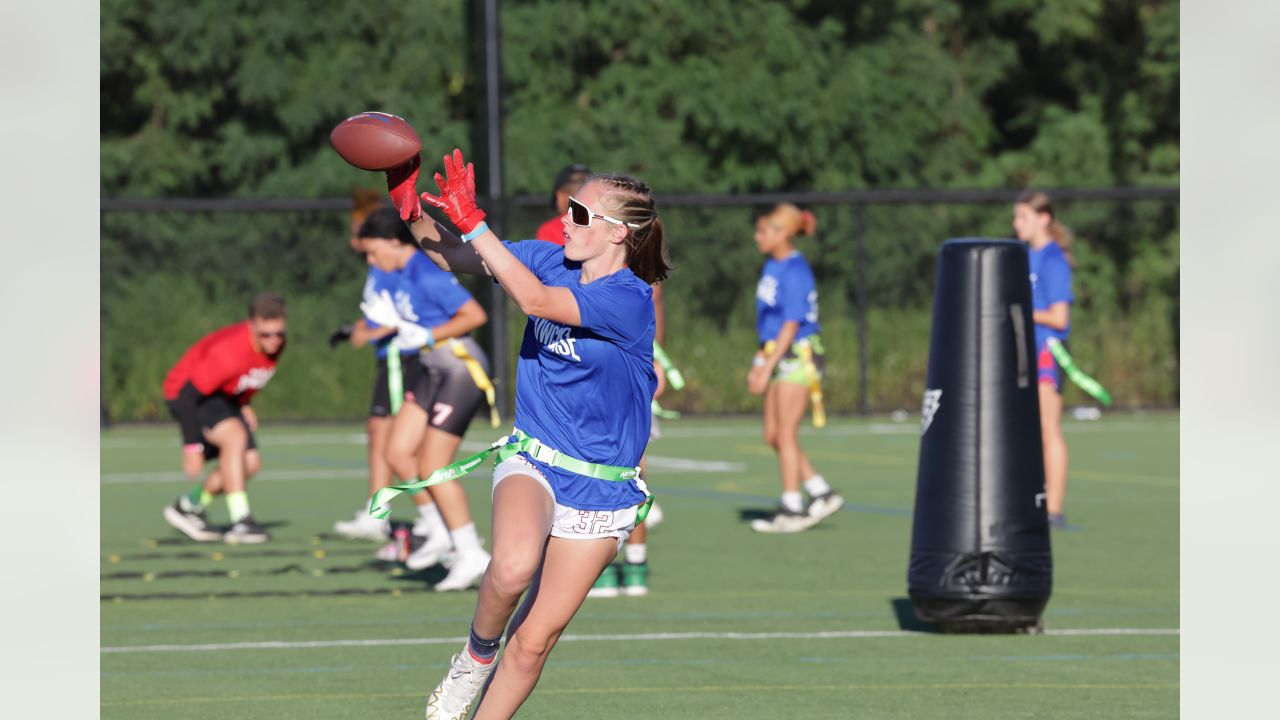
[208, 393]
[788, 366]
[568, 180]
[1051, 298]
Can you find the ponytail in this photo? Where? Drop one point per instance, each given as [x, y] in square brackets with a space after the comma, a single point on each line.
[1061, 234]
[630, 200]
[793, 220]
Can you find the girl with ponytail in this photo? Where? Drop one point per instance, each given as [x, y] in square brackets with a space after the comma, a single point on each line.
[1051, 298]
[788, 366]
[566, 489]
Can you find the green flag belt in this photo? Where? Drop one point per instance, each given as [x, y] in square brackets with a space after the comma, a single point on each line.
[1084, 382]
[505, 447]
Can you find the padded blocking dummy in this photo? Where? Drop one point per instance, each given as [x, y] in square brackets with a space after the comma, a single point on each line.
[980, 556]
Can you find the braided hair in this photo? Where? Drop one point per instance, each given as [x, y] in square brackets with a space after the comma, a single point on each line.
[631, 201]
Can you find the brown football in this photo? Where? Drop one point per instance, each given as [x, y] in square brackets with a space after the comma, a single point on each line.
[375, 140]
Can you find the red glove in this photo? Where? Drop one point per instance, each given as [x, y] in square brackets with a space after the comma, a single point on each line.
[457, 193]
[402, 182]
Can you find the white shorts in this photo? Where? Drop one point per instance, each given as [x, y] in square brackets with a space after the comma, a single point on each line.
[572, 523]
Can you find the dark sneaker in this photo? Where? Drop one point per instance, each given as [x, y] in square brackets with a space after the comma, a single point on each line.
[191, 523]
[635, 579]
[784, 521]
[825, 505]
[246, 532]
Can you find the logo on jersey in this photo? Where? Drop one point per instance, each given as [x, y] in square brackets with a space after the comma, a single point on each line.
[255, 379]
[812, 315]
[932, 401]
[767, 290]
[404, 306]
[556, 338]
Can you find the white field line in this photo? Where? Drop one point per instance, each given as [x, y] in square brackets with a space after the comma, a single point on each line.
[653, 637]
[161, 476]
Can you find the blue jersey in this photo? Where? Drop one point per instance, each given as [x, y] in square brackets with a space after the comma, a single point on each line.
[1050, 284]
[786, 291]
[427, 295]
[585, 390]
[375, 282]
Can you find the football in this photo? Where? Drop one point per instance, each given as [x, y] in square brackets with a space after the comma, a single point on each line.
[375, 140]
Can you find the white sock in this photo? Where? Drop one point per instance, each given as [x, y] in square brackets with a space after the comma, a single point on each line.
[817, 485]
[634, 553]
[429, 519]
[793, 501]
[465, 539]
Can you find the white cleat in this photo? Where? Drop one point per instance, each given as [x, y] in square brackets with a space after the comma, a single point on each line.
[825, 505]
[191, 523]
[457, 692]
[468, 568]
[433, 551]
[363, 527]
[784, 521]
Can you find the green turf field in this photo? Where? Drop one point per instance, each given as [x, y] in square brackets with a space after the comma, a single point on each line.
[738, 625]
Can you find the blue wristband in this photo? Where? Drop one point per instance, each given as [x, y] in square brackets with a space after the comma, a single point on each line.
[476, 232]
[431, 339]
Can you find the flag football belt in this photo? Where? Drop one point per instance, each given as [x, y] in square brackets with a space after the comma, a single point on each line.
[506, 447]
[674, 379]
[479, 377]
[803, 349]
[395, 381]
[1084, 382]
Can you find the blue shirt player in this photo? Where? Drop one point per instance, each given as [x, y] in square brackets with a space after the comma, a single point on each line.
[788, 368]
[1051, 297]
[584, 381]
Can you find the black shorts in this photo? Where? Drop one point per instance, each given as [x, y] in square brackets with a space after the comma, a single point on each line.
[214, 410]
[410, 370]
[446, 391]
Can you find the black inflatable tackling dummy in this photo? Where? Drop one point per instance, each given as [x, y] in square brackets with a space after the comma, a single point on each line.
[980, 557]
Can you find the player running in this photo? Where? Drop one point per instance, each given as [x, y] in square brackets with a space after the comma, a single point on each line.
[403, 365]
[208, 393]
[567, 491]
[787, 368]
[431, 312]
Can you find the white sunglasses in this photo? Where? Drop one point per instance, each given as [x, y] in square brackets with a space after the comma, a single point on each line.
[581, 215]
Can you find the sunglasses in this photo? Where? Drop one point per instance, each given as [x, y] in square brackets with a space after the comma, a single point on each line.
[268, 335]
[581, 215]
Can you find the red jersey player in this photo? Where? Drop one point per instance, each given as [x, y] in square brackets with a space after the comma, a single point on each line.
[208, 393]
[568, 180]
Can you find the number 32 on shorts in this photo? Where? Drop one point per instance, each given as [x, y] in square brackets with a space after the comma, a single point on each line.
[591, 522]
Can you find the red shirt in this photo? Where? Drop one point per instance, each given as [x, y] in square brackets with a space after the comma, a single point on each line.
[552, 231]
[224, 361]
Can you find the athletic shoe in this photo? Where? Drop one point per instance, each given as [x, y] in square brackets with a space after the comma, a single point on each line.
[784, 521]
[191, 523]
[825, 505]
[246, 532]
[654, 517]
[453, 697]
[607, 584]
[635, 579]
[1057, 521]
[468, 568]
[363, 527]
[432, 552]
